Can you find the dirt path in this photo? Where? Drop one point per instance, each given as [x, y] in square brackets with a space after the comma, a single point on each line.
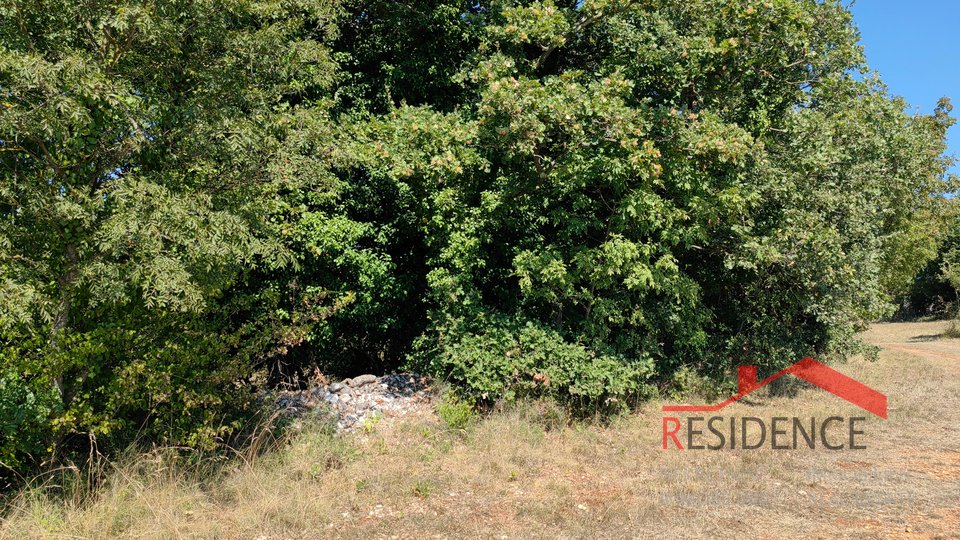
[926, 340]
[927, 352]
[921, 447]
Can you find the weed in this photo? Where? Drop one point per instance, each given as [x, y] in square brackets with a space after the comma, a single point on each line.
[370, 423]
[422, 489]
[455, 413]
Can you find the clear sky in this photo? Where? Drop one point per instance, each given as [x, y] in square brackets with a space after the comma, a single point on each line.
[915, 46]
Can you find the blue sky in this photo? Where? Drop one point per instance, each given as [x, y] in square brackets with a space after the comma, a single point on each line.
[915, 47]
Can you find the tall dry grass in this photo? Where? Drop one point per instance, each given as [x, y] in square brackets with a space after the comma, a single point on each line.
[529, 472]
[311, 485]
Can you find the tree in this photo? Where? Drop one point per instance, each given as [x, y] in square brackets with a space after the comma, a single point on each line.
[138, 144]
[935, 290]
[663, 184]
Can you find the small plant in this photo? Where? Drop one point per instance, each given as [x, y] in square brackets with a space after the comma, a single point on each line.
[687, 383]
[422, 489]
[370, 423]
[456, 413]
[428, 455]
[323, 451]
[362, 485]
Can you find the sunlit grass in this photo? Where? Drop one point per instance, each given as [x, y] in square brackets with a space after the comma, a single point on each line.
[530, 471]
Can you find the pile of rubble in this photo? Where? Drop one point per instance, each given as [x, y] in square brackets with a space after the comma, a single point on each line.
[362, 399]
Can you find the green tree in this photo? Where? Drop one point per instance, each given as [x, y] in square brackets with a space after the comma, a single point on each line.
[138, 144]
[665, 184]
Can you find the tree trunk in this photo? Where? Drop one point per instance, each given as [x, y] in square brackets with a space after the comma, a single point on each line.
[62, 318]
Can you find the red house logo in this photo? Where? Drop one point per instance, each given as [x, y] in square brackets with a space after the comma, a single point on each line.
[809, 370]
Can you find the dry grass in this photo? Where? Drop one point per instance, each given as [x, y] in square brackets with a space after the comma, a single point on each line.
[952, 330]
[517, 474]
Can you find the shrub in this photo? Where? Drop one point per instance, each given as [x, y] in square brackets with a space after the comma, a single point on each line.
[525, 361]
[456, 413]
[27, 408]
[953, 330]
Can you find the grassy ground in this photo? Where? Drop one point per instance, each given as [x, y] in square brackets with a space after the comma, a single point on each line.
[521, 474]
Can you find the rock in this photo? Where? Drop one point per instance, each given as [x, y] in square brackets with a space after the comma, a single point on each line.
[354, 401]
[363, 380]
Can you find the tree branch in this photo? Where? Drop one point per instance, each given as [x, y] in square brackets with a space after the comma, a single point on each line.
[581, 25]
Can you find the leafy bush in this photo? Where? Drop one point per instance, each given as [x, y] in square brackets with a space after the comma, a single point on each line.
[935, 290]
[524, 361]
[25, 415]
[456, 413]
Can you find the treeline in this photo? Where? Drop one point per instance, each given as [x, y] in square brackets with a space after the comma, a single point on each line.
[935, 292]
[576, 200]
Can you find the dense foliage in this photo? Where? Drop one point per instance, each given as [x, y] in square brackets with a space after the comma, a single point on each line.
[138, 144]
[569, 199]
[935, 291]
